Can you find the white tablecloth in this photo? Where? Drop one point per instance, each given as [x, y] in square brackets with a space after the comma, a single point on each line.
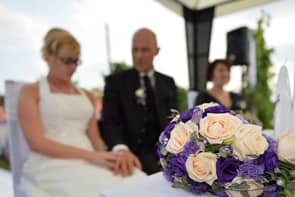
[6, 188]
[151, 186]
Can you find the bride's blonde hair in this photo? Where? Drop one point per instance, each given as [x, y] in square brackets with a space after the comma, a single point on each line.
[55, 39]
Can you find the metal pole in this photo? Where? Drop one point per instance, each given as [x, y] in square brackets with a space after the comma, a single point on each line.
[108, 47]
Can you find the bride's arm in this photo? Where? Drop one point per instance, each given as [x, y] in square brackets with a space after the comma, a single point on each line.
[30, 121]
[93, 131]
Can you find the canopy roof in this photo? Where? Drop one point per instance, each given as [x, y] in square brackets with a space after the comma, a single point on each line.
[222, 7]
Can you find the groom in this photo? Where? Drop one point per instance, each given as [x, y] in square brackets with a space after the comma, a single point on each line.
[136, 106]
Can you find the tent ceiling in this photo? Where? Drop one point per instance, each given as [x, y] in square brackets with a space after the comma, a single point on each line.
[223, 7]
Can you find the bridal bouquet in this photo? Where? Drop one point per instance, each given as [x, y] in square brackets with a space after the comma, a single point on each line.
[209, 148]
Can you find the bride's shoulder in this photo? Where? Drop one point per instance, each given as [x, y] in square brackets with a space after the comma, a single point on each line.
[30, 90]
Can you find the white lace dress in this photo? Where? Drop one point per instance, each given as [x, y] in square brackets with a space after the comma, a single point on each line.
[65, 118]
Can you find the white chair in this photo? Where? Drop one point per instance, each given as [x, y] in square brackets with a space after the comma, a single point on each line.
[283, 107]
[191, 97]
[18, 148]
[293, 108]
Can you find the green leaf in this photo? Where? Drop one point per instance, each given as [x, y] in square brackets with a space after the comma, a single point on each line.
[215, 186]
[286, 165]
[194, 136]
[214, 148]
[228, 141]
[288, 193]
[290, 185]
[245, 194]
[164, 151]
[239, 186]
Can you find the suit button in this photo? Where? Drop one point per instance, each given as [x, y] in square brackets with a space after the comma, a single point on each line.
[142, 130]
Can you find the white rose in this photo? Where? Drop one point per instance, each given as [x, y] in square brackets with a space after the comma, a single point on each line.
[249, 142]
[218, 127]
[206, 105]
[202, 167]
[286, 148]
[179, 136]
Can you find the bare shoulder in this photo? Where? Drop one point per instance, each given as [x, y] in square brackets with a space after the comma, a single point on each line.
[30, 90]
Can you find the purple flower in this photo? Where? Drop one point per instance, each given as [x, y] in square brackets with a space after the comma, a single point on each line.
[166, 133]
[227, 169]
[270, 191]
[198, 187]
[252, 170]
[273, 144]
[190, 147]
[187, 115]
[176, 165]
[218, 109]
[270, 160]
[197, 115]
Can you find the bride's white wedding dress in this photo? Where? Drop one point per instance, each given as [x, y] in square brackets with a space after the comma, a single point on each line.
[64, 119]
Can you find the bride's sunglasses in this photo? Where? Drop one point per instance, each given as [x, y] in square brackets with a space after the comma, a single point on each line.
[69, 61]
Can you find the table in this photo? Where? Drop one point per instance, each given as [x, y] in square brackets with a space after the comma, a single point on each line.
[151, 186]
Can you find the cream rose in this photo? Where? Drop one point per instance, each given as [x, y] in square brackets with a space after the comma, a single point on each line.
[202, 167]
[218, 127]
[179, 136]
[206, 105]
[249, 142]
[286, 148]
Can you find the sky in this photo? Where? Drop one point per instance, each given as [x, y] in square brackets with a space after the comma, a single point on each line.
[23, 25]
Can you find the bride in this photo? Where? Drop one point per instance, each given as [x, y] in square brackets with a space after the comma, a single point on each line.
[67, 156]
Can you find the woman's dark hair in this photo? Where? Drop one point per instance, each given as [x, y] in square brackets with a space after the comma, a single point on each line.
[212, 66]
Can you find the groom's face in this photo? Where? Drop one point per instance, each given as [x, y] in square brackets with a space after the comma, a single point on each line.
[144, 49]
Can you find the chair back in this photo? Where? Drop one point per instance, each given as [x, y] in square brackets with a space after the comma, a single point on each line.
[284, 113]
[191, 98]
[18, 148]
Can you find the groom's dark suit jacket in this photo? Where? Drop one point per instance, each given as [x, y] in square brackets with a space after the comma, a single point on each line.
[124, 119]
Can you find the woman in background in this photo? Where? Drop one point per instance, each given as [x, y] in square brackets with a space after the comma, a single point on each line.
[67, 156]
[219, 74]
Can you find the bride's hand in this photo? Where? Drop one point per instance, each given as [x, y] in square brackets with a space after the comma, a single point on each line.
[126, 163]
[104, 158]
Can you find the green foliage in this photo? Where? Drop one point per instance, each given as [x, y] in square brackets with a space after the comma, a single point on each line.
[1, 99]
[258, 98]
[119, 66]
[287, 176]
[182, 98]
[4, 163]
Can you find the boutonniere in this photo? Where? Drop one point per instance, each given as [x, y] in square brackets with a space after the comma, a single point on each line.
[140, 96]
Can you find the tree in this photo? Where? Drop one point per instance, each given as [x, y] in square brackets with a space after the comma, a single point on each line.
[119, 66]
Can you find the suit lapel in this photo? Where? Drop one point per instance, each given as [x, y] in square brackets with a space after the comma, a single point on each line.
[131, 85]
[159, 93]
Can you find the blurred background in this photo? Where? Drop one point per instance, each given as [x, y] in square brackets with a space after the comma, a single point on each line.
[105, 28]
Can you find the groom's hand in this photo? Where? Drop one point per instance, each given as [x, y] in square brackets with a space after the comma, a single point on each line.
[126, 163]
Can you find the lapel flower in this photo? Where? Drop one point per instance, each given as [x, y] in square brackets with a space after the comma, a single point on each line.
[140, 96]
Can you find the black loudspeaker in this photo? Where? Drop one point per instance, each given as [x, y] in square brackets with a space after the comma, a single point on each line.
[238, 41]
